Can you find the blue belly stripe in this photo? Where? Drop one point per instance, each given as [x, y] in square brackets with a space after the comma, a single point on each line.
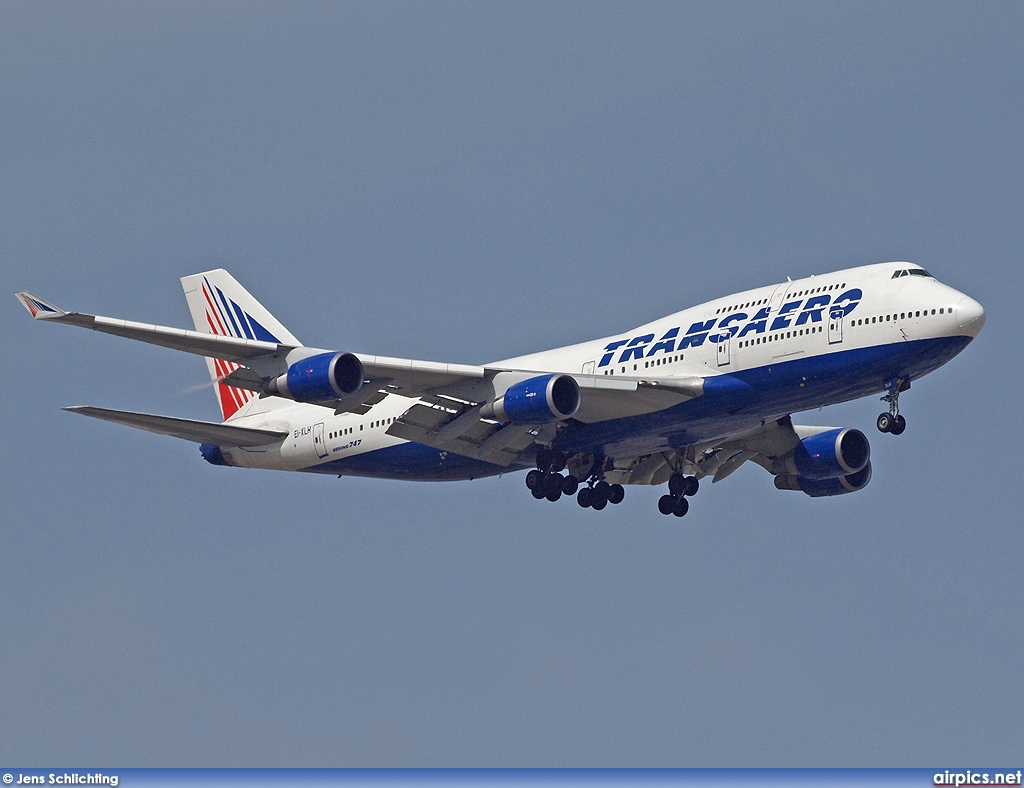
[731, 403]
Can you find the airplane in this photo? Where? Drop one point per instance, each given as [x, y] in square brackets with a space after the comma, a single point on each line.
[695, 394]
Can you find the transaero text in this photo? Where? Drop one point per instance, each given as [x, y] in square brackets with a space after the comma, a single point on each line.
[737, 324]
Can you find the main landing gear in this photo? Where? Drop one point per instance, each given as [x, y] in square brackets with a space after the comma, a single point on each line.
[892, 422]
[600, 494]
[548, 482]
[679, 488]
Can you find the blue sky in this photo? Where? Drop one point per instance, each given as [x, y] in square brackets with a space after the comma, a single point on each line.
[467, 182]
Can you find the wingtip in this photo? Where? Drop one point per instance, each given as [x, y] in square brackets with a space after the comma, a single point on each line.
[37, 307]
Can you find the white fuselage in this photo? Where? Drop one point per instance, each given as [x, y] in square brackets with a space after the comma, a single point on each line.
[806, 320]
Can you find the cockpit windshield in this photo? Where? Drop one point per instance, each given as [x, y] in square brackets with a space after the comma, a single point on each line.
[911, 272]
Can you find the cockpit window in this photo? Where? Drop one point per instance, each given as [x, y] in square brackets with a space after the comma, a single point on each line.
[911, 272]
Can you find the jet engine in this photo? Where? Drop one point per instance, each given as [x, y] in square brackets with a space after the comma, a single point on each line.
[821, 488]
[827, 455]
[538, 400]
[319, 378]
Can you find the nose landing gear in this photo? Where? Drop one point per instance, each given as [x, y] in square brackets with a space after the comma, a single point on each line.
[892, 422]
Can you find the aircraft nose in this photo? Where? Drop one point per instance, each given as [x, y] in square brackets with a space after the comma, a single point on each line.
[970, 315]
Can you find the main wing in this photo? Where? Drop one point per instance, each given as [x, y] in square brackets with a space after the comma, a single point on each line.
[229, 348]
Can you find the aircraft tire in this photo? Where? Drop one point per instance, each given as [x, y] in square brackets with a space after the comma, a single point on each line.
[584, 497]
[681, 508]
[692, 486]
[899, 425]
[570, 485]
[666, 504]
[676, 484]
[615, 494]
[884, 422]
[535, 480]
[600, 503]
[552, 483]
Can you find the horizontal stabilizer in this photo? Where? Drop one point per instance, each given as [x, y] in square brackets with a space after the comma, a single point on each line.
[187, 429]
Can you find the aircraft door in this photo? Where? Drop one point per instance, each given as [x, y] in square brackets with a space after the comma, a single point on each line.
[778, 296]
[318, 440]
[723, 349]
[835, 326]
[588, 368]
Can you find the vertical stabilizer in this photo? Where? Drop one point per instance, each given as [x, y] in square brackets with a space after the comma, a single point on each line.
[219, 305]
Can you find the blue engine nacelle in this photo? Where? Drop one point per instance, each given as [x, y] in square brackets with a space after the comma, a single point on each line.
[828, 455]
[212, 454]
[821, 488]
[319, 378]
[538, 400]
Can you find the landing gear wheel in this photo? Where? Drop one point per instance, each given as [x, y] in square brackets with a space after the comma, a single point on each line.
[570, 485]
[585, 498]
[554, 495]
[600, 503]
[535, 480]
[615, 494]
[676, 485]
[553, 483]
[681, 508]
[666, 504]
[892, 421]
[692, 486]
[539, 494]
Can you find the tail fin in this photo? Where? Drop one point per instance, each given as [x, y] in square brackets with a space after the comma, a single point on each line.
[219, 305]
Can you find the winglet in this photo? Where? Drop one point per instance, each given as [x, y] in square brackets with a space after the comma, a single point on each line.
[37, 307]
